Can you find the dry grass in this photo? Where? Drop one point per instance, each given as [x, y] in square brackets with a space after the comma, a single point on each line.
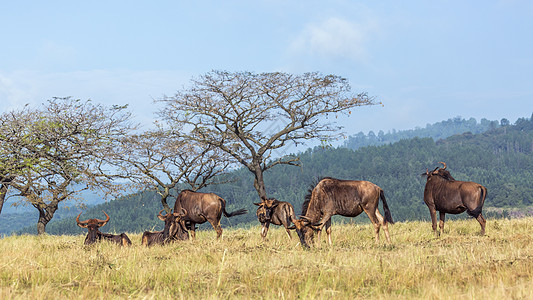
[459, 265]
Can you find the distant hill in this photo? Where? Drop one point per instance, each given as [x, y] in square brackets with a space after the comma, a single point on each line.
[500, 158]
[437, 131]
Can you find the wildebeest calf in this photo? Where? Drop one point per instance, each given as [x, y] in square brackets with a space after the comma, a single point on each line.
[273, 211]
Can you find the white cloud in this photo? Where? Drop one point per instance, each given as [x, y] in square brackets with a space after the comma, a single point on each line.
[337, 38]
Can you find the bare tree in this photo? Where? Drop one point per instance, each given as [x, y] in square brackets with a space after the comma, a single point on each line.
[62, 150]
[159, 161]
[249, 116]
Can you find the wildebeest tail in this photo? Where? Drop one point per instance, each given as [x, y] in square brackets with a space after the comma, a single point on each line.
[241, 211]
[388, 216]
[477, 211]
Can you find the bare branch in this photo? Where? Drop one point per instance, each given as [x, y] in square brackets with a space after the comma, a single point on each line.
[247, 115]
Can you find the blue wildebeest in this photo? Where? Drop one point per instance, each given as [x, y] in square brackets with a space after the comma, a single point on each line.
[449, 196]
[203, 207]
[347, 198]
[94, 235]
[174, 230]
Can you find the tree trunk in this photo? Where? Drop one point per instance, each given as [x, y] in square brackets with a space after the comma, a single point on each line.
[41, 225]
[164, 196]
[3, 193]
[45, 215]
[259, 183]
[165, 204]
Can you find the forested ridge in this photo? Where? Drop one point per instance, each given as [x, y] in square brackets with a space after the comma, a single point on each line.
[500, 158]
[437, 131]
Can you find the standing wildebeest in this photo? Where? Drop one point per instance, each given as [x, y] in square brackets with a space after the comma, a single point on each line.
[202, 207]
[273, 211]
[94, 235]
[174, 230]
[347, 198]
[449, 196]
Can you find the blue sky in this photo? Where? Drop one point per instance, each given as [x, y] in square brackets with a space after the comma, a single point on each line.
[425, 60]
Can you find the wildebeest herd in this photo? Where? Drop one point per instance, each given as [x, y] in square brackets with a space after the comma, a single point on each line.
[327, 198]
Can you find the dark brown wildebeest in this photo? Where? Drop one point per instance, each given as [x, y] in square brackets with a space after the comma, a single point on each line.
[347, 198]
[273, 211]
[449, 196]
[94, 235]
[202, 207]
[174, 230]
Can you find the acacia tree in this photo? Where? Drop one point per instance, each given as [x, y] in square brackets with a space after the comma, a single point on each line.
[249, 115]
[6, 176]
[62, 149]
[158, 161]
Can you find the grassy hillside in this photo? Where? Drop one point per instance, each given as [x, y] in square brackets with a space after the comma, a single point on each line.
[461, 264]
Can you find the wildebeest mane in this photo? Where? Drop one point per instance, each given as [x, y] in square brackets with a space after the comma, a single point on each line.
[307, 198]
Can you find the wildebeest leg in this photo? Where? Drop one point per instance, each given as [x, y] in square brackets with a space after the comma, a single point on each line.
[216, 227]
[328, 231]
[287, 225]
[442, 217]
[384, 224]
[193, 232]
[323, 222]
[482, 222]
[433, 213]
[371, 213]
[264, 229]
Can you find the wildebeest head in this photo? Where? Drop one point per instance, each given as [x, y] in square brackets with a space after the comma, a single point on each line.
[305, 229]
[172, 222]
[92, 225]
[264, 211]
[442, 172]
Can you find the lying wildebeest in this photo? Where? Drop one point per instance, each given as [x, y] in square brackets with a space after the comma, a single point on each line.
[449, 196]
[174, 230]
[347, 198]
[202, 207]
[273, 211]
[94, 235]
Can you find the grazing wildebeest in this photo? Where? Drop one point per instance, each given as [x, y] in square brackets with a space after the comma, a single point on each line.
[174, 230]
[273, 211]
[449, 196]
[202, 207]
[94, 235]
[347, 198]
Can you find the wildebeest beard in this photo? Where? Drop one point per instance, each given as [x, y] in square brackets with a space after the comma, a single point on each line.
[306, 235]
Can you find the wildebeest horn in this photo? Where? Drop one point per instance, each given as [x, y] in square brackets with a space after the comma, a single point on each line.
[440, 162]
[82, 224]
[183, 212]
[160, 216]
[104, 221]
[258, 204]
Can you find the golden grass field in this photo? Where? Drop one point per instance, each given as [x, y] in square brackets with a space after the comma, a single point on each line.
[460, 264]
